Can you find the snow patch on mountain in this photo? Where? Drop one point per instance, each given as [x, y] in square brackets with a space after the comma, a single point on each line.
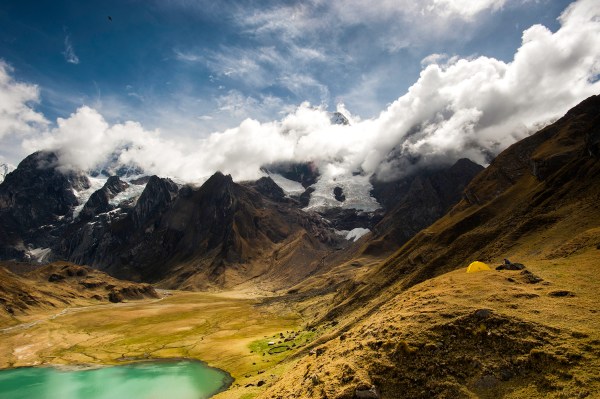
[356, 189]
[38, 255]
[96, 183]
[356, 233]
[130, 194]
[290, 187]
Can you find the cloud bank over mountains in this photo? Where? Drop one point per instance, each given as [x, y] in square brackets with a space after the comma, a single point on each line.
[459, 107]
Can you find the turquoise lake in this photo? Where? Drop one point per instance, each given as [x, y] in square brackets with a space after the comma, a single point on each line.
[147, 380]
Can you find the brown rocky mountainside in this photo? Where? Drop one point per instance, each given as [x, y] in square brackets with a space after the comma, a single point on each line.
[416, 201]
[221, 233]
[405, 327]
[61, 284]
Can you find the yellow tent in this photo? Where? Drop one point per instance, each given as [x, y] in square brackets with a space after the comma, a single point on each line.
[477, 266]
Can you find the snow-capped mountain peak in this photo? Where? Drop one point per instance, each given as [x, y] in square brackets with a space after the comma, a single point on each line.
[337, 118]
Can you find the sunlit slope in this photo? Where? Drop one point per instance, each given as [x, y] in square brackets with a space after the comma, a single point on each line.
[411, 329]
[510, 334]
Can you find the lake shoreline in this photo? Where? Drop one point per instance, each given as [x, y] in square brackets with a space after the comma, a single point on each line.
[226, 379]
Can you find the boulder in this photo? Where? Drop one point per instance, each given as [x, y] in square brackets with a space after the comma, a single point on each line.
[371, 393]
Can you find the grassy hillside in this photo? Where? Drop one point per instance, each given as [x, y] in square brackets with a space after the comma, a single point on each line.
[491, 334]
[411, 329]
[58, 285]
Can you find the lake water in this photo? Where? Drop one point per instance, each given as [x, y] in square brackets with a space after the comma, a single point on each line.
[147, 380]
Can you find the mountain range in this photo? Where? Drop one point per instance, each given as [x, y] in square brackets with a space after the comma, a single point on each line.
[222, 233]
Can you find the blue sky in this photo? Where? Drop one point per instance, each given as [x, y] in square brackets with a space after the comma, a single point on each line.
[203, 59]
[193, 67]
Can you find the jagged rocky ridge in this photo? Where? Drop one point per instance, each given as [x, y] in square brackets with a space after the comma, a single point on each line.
[222, 233]
[200, 231]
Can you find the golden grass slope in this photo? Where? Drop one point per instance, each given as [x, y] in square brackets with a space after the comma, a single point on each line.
[495, 334]
[412, 331]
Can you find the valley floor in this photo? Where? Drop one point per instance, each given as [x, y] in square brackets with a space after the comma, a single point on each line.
[229, 331]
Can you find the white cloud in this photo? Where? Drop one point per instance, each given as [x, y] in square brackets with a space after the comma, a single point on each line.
[187, 56]
[315, 17]
[17, 116]
[236, 103]
[86, 139]
[467, 107]
[264, 66]
[69, 52]
[465, 8]
[489, 103]
[434, 58]
[305, 86]
[239, 105]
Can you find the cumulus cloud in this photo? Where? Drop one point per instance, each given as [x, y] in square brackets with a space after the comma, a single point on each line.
[85, 139]
[69, 52]
[472, 107]
[17, 116]
[480, 106]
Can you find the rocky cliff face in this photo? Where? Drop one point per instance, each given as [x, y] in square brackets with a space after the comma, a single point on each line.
[35, 199]
[99, 201]
[38, 192]
[103, 240]
[197, 236]
[156, 197]
[221, 233]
